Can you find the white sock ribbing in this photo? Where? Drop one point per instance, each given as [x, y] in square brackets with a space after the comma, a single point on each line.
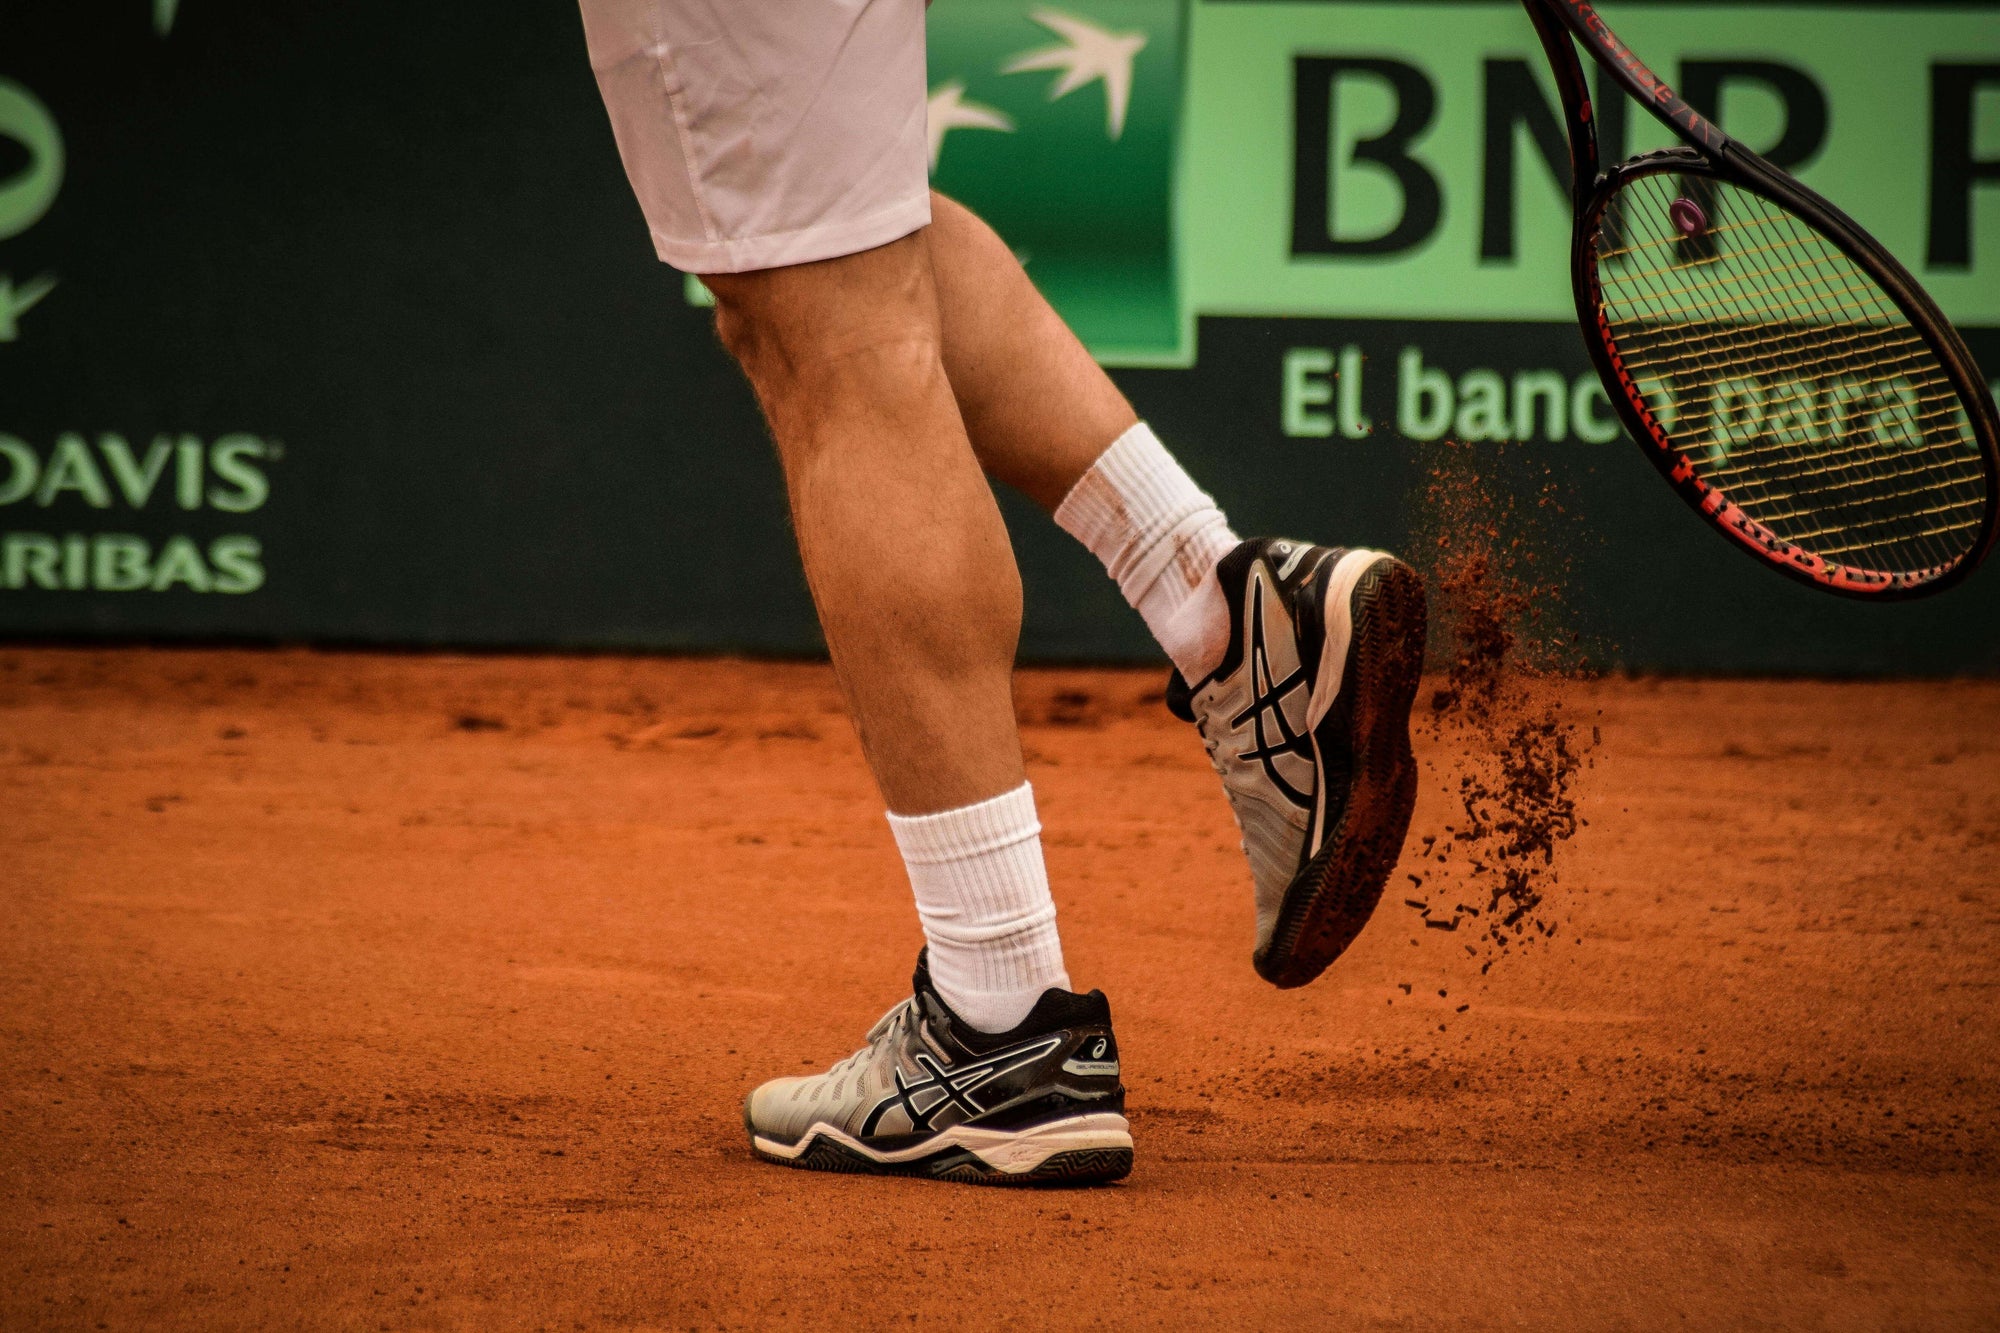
[983, 896]
[1160, 536]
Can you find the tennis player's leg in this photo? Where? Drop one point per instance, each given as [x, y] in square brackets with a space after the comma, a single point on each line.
[1043, 417]
[903, 545]
[918, 595]
[1297, 662]
[780, 151]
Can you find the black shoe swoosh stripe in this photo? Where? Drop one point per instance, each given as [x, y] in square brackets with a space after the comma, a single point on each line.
[1268, 703]
[956, 1084]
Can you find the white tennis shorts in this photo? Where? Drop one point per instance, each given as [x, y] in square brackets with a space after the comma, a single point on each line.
[760, 133]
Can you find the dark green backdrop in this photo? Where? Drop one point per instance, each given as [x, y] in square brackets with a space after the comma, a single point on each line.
[392, 243]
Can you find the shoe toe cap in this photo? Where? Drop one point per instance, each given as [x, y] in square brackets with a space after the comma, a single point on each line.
[773, 1107]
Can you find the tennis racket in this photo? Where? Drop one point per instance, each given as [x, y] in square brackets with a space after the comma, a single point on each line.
[1788, 377]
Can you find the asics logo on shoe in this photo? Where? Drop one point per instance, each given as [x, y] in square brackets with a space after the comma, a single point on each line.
[1097, 1059]
[1274, 733]
[953, 1087]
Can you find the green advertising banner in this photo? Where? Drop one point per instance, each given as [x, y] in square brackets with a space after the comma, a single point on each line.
[1059, 126]
[343, 327]
[1441, 195]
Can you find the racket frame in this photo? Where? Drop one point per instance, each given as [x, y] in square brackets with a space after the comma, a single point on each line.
[1707, 151]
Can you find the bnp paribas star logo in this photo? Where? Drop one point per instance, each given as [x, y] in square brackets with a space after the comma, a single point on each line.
[1056, 123]
[1089, 54]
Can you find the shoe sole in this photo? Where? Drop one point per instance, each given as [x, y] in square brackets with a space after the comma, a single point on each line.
[1331, 899]
[1080, 1150]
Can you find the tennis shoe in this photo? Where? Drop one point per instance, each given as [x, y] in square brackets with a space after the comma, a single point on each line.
[930, 1096]
[1307, 723]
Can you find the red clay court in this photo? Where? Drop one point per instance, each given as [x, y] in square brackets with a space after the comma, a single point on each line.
[421, 992]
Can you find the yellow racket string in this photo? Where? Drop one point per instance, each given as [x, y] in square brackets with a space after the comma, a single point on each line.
[1788, 377]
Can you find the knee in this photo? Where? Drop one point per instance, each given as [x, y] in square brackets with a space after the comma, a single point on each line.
[779, 329]
[837, 321]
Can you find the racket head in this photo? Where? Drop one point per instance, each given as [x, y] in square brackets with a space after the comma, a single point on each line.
[1787, 376]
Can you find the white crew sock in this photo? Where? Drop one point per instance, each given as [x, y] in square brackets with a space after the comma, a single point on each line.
[983, 896]
[1160, 536]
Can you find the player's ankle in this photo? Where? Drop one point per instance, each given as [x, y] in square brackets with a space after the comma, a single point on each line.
[1160, 536]
[1196, 636]
[990, 1012]
[982, 893]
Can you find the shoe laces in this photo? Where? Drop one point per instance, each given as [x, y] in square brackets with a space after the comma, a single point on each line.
[887, 1028]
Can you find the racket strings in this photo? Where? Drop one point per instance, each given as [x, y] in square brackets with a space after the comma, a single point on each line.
[1946, 501]
[1679, 242]
[1887, 375]
[1705, 305]
[1923, 497]
[1799, 514]
[1837, 474]
[1785, 413]
[1713, 336]
[1788, 377]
